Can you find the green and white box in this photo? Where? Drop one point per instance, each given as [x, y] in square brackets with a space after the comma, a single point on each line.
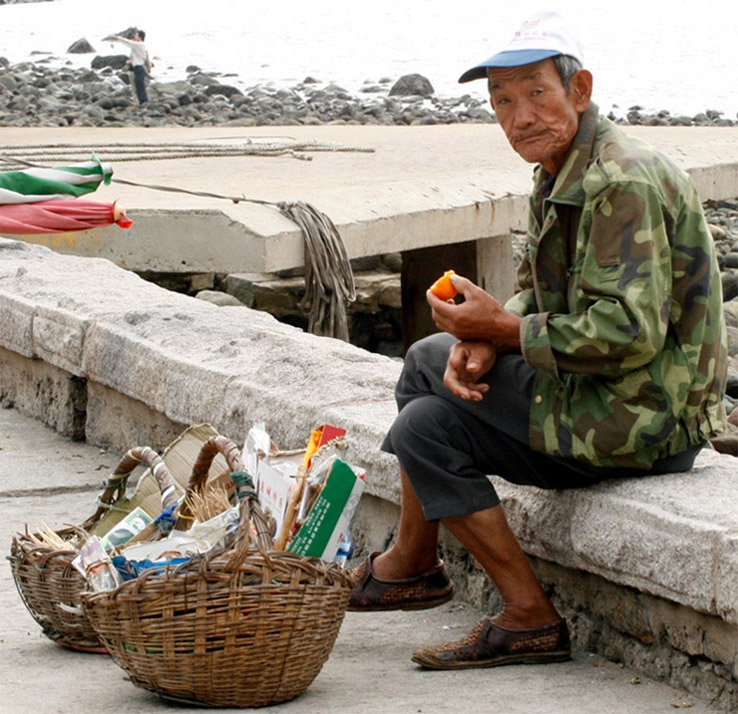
[331, 514]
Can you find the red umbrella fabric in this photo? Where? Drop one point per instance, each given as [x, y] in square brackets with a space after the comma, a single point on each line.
[59, 216]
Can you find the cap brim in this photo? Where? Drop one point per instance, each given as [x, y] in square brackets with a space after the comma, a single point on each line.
[510, 58]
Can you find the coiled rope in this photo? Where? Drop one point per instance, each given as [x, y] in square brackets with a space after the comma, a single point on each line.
[329, 280]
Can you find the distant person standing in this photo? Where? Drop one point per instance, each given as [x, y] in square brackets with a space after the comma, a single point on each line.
[139, 60]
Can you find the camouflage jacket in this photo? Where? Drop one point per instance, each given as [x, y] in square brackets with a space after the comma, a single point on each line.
[622, 308]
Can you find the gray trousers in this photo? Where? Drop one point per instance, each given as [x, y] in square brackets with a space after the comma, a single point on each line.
[447, 446]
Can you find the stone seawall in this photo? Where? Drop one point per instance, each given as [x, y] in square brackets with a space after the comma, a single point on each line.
[646, 570]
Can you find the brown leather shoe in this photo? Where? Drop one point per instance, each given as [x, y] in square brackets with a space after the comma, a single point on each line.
[428, 589]
[490, 645]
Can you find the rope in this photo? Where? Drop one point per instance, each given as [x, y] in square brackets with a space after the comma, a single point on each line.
[142, 151]
[244, 485]
[329, 280]
[261, 142]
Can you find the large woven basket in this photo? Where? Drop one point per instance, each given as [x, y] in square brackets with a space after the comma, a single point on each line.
[50, 586]
[48, 583]
[243, 627]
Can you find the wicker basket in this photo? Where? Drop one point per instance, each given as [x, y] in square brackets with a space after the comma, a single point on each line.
[48, 583]
[243, 627]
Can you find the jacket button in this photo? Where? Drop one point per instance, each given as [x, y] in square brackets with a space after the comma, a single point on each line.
[538, 399]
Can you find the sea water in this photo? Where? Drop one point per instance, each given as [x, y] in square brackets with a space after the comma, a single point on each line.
[677, 56]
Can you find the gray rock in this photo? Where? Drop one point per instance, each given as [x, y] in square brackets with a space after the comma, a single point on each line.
[218, 298]
[8, 82]
[80, 47]
[174, 87]
[203, 79]
[730, 308]
[730, 285]
[731, 260]
[110, 61]
[223, 89]
[731, 384]
[412, 84]
[732, 340]
[392, 261]
[369, 262]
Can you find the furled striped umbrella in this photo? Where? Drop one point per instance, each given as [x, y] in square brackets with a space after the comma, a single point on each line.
[59, 216]
[42, 184]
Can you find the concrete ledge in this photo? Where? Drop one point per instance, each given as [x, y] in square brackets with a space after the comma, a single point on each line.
[671, 536]
[419, 187]
[150, 361]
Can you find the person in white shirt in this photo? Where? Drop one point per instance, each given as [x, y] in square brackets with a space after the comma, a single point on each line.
[139, 60]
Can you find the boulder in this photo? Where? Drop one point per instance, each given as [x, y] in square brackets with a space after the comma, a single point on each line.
[224, 89]
[412, 84]
[111, 61]
[80, 47]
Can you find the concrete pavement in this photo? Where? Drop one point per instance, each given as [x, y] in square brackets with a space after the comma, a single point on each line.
[368, 672]
[420, 187]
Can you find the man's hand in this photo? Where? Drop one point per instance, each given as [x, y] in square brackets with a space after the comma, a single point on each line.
[467, 363]
[479, 317]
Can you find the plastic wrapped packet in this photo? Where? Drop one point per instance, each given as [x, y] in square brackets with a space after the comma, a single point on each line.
[97, 567]
[316, 477]
[213, 533]
[200, 539]
[126, 529]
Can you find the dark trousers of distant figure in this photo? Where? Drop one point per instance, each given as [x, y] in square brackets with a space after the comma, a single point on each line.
[139, 80]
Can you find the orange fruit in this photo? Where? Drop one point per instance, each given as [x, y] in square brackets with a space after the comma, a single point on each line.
[443, 288]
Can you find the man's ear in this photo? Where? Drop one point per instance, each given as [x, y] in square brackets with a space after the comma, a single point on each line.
[581, 89]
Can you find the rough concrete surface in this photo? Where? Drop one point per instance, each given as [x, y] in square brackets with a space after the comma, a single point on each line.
[368, 672]
[421, 186]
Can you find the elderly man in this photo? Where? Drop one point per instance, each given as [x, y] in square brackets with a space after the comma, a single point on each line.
[609, 362]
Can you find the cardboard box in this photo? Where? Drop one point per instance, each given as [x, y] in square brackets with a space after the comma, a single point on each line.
[331, 514]
[275, 488]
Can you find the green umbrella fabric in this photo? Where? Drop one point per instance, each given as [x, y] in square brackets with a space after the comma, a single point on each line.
[34, 185]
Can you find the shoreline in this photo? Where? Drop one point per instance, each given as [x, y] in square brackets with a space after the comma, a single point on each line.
[42, 94]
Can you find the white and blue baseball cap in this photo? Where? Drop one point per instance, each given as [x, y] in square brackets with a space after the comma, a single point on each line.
[541, 36]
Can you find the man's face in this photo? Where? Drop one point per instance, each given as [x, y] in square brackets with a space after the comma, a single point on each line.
[538, 115]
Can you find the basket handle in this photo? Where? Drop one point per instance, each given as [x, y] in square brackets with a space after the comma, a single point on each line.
[198, 480]
[250, 511]
[245, 537]
[114, 488]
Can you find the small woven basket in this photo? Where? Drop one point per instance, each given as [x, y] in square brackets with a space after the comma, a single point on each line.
[241, 627]
[48, 583]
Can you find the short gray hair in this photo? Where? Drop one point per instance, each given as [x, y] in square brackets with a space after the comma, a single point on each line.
[567, 66]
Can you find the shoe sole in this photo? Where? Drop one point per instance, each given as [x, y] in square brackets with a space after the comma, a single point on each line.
[531, 658]
[416, 605]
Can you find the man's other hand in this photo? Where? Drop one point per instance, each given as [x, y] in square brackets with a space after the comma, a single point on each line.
[479, 317]
[467, 363]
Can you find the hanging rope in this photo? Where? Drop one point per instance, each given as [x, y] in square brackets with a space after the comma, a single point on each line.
[329, 279]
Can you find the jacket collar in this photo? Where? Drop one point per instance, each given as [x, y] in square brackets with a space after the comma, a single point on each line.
[568, 186]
